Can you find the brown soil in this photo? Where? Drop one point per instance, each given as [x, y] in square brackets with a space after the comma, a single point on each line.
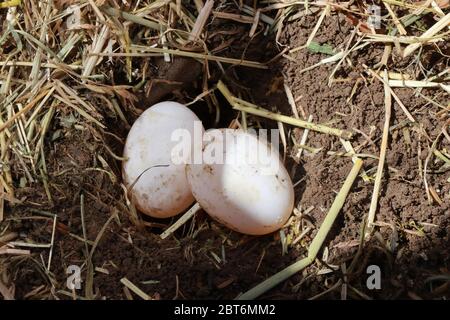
[185, 266]
[403, 202]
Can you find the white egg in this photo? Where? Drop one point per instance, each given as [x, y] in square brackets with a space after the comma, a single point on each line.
[158, 191]
[242, 182]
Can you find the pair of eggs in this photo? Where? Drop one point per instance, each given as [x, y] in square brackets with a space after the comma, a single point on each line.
[236, 177]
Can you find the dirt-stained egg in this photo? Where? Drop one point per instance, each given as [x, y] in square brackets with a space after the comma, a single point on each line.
[242, 182]
[156, 151]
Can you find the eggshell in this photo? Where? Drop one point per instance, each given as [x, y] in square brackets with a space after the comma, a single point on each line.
[249, 189]
[159, 192]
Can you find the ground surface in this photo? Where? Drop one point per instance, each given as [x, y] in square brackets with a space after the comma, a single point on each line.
[205, 260]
